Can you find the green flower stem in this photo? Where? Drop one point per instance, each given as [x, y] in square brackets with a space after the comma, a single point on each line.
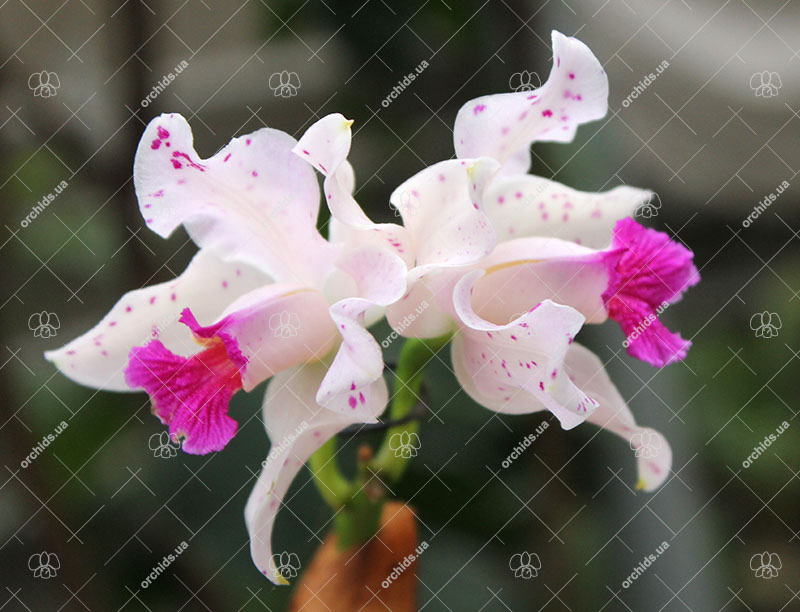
[335, 489]
[358, 503]
[414, 356]
[358, 513]
[358, 520]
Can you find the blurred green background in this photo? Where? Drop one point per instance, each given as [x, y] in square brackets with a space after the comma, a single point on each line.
[699, 136]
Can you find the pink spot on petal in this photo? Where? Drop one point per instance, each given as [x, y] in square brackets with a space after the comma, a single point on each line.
[189, 161]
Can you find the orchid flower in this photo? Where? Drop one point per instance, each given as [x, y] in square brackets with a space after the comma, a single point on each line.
[295, 424]
[520, 262]
[266, 296]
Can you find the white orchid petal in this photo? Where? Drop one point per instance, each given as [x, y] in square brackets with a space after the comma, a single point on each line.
[440, 206]
[503, 126]
[277, 327]
[208, 285]
[325, 145]
[426, 310]
[518, 367]
[529, 205]
[654, 455]
[358, 362]
[297, 427]
[253, 201]
[379, 277]
[523, 272]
